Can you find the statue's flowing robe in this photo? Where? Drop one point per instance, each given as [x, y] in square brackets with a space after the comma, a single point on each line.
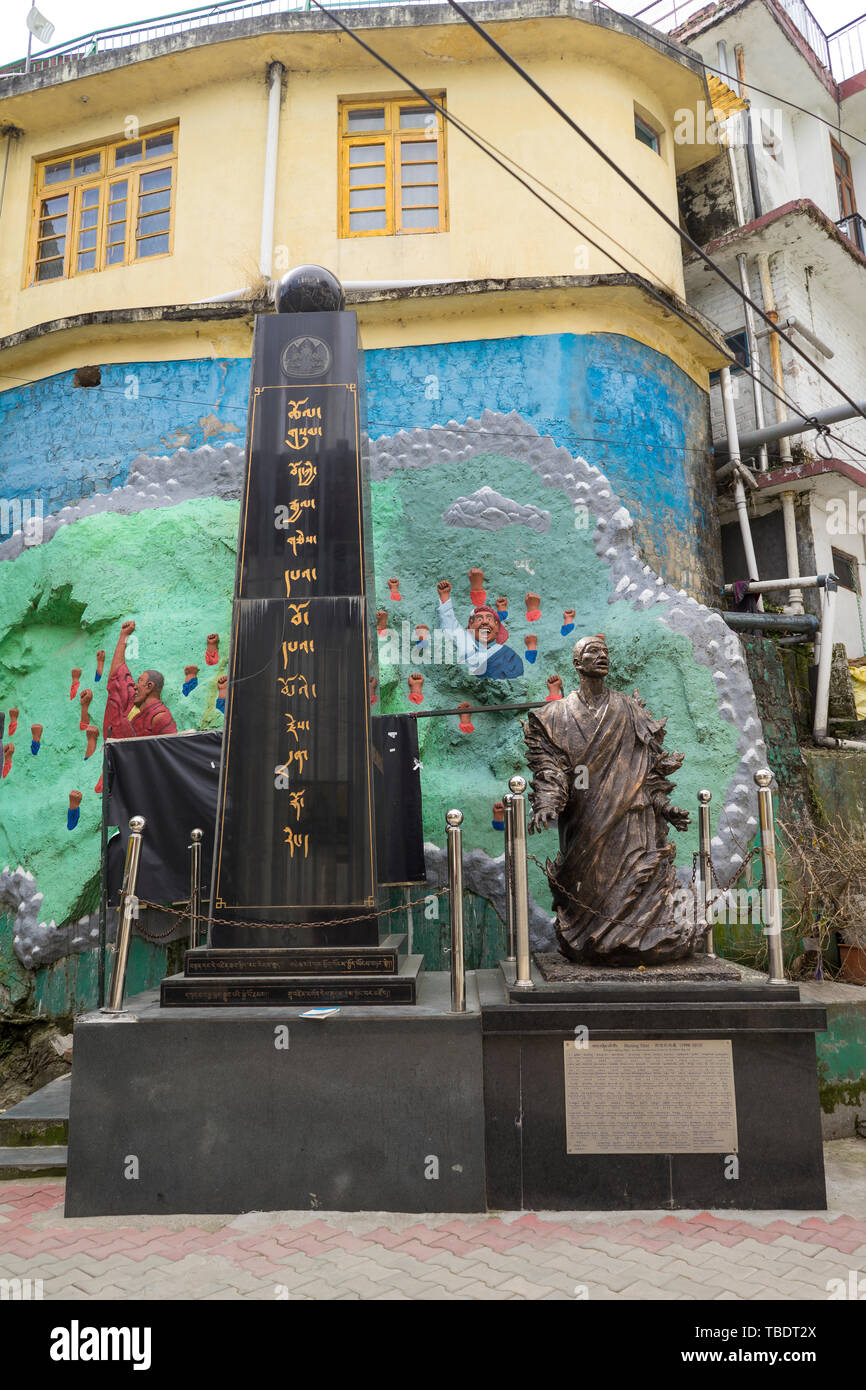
[614, 874]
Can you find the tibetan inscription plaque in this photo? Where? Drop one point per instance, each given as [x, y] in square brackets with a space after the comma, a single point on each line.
[647, 1097]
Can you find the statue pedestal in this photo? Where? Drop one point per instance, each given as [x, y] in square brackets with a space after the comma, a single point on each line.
[679, 1124]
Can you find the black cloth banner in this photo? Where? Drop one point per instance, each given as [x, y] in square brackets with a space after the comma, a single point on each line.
[173, 780]
[399, 836]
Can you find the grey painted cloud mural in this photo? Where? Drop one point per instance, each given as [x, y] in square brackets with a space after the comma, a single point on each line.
[490, 511]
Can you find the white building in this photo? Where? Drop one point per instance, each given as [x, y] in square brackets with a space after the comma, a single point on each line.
[781, 217]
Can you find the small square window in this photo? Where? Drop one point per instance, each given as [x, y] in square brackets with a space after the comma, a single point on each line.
[845, 570]
[738, 344]
[644, 132]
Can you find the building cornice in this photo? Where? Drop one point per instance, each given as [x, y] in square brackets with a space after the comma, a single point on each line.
[798, 207]
[378, 17]
[434, 294]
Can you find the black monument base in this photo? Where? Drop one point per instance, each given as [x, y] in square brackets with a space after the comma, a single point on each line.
[216, 962]
[414, 1108]
[267, 990]
[234, 1110]
[779, 1158]
[264, 977]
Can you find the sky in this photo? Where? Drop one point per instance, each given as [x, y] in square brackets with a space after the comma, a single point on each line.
[72, 18]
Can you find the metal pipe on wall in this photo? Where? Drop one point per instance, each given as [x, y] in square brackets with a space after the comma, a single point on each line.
[804, 623]
[795, 598]
[797, 326]
[739, 490]
[769, 298]
[795, 424]
[276, 72]
[750, 148]
[752, 340]
[12, 133]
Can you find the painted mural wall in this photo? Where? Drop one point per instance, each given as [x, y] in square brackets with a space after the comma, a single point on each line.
[570, 496]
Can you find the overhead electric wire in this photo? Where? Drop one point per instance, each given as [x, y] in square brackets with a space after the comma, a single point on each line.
[667, 303]
[636, 188]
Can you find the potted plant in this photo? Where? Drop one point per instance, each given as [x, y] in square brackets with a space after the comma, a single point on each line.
[852, 939]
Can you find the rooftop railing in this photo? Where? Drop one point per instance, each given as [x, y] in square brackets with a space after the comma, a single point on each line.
[203, 16]
[843, 52]
[848, 49]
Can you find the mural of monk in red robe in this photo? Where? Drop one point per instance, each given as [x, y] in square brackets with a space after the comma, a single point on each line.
[134, 709]
[599, 769]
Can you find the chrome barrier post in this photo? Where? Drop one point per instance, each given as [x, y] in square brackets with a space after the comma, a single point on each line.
[523, 973]
[771, 900]
[705, 865]
[128, 908]
[196, 836]
[508, 817]
[454, 835]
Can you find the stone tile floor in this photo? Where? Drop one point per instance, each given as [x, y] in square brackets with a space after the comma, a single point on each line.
[381, 1255]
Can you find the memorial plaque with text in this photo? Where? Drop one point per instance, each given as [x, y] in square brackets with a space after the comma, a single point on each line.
[295, 838]
[645, 1097]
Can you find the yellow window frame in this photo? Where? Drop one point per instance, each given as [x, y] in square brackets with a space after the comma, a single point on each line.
[393, 136]
[108, 175]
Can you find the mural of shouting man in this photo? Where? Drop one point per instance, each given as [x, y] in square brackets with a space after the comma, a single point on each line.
[481, 644]
[134, 709]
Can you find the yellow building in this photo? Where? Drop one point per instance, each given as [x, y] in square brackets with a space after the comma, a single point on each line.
[252, 122]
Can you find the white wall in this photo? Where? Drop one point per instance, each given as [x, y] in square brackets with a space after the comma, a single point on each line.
[836, 506]
[829, 296]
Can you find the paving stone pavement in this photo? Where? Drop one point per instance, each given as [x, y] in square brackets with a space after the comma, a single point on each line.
[377, 1255]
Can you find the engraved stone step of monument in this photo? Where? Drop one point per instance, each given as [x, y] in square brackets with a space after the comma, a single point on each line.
[182, 991]
[228, 962]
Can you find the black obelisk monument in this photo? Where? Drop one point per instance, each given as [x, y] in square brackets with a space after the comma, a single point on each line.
[295, 839]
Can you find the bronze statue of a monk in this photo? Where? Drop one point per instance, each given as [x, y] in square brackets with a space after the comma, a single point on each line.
[598, 766]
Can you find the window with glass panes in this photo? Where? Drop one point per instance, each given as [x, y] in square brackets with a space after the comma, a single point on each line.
[392, 168]
[110, 205]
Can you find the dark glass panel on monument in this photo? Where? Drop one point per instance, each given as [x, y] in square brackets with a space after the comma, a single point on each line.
[303, 527]
[295, 825]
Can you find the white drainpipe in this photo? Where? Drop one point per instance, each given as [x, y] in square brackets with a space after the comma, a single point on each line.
[739, 490]
[752, 340]
[795, 600]
[769, 299]
[276, 72]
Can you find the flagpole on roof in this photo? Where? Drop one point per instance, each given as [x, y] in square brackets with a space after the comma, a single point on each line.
[40, 26]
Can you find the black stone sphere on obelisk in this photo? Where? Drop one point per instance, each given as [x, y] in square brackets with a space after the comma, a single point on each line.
[295, 841]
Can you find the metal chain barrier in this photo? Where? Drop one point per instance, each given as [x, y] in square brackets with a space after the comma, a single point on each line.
[240, 922]
[579, 903]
